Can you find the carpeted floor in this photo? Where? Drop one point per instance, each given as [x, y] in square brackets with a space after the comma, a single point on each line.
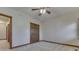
[4, 44]
[39, 46]
[44, 46]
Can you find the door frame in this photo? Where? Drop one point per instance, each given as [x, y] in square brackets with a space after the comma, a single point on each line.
[10, 17]
[30, 31]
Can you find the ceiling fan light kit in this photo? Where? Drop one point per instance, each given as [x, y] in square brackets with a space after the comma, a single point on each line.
[42, 10]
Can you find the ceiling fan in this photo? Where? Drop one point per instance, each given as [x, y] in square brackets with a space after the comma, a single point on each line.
[42, 10]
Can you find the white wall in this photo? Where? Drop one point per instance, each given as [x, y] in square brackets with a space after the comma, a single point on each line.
[2, 31]
[61, 29]
[20, 26]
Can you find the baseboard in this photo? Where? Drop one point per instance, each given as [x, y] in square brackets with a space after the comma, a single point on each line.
[2, 39]
[48, 42]
[20, 45]
[60, 43]
[23, 45]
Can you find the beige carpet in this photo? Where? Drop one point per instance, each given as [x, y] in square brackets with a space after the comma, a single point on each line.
[73, 42]
[40, 46]
[4, 45]
[44, 46]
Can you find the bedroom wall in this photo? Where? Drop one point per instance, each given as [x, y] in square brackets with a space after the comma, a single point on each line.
[62, 28]
[20, 26]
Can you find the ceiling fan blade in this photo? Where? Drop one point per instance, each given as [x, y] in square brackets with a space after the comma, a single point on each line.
[47, 7]
[48, 12]
[35, 9]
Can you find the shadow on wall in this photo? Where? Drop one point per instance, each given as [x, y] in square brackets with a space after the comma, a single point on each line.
[69, 32]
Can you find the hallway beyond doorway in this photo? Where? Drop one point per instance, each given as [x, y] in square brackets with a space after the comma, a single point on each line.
[4, 44]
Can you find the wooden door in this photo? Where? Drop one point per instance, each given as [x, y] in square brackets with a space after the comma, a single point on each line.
[34, 33]
[8, 33]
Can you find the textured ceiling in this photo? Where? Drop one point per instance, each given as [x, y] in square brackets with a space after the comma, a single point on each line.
[56, 11]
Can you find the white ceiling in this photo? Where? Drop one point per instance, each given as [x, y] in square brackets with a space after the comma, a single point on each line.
[56, 11]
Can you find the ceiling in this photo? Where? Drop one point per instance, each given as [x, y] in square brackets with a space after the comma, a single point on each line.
[56, 11]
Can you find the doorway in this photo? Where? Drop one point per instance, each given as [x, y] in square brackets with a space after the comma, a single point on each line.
[34, 32]
[6, 32]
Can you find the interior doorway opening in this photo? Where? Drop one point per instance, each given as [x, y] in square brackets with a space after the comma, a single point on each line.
[5, 31]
